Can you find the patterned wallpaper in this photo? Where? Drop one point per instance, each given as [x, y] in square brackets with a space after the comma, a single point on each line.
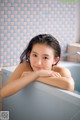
[20, 20]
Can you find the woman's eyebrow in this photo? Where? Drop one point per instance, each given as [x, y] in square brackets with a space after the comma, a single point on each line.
[42, 54]
[34, 52]
[46, 55]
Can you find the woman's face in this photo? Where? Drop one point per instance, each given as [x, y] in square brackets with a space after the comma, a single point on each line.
[42, 57]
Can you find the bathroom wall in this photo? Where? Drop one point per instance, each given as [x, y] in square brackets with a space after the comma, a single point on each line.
[20, 20]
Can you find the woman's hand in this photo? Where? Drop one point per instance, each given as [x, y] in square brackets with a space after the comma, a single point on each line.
[55, 74]
[42, 73]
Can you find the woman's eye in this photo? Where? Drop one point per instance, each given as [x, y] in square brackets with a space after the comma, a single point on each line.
[34, 55]
[45, 57]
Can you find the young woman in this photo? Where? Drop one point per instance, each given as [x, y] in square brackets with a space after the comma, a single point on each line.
[39, 63]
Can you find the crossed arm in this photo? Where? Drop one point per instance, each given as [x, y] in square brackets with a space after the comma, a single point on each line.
[23, 76]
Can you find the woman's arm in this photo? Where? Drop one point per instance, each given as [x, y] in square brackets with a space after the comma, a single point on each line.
[65, 81]
[19, 70]
[21, 81]
[16, 75]
[15, 86]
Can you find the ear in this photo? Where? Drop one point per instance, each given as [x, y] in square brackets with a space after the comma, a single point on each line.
[56, 59]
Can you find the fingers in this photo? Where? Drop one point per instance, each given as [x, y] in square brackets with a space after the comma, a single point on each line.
[56, 74]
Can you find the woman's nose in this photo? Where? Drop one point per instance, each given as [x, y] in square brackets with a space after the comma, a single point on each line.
[39, 62]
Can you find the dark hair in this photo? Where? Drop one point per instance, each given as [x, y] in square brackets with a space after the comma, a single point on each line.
[41, 39]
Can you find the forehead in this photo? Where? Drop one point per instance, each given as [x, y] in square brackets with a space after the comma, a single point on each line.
[42, 48]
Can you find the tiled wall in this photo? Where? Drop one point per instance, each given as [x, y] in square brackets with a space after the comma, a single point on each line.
[20, 20]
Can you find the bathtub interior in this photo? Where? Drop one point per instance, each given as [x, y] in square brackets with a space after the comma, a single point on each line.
[75, 72]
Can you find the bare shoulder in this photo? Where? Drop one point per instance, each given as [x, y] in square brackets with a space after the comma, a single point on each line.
[23, 67]
[19, 70]
[65, 72]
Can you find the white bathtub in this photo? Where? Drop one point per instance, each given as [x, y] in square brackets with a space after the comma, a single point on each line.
[39, 101]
